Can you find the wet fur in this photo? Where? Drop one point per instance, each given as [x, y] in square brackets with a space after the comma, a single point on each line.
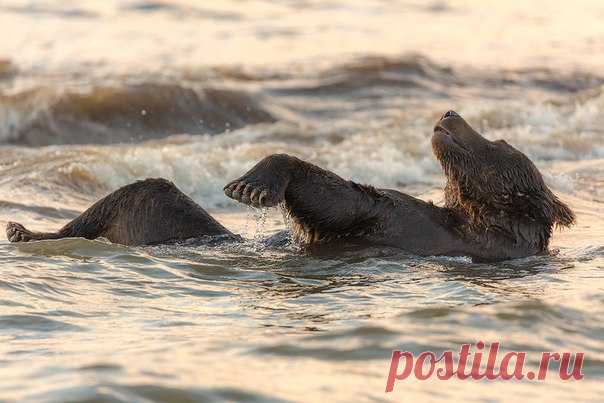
[499, 195]
[147, 212]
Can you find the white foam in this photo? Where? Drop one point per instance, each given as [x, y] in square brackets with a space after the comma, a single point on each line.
[391, 152]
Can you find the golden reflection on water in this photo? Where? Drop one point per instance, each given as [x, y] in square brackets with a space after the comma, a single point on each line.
[489, 33]
[88, 320]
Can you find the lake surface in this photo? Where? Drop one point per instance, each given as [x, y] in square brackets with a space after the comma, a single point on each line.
[95, 95]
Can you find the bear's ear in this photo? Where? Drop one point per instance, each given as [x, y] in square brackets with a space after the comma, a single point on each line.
[563, 215]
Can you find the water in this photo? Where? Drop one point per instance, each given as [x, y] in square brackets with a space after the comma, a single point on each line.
[94, 95]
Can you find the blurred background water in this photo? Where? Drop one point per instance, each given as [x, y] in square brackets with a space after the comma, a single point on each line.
[97, 94]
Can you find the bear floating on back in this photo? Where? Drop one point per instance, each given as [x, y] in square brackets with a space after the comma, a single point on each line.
[497, 205]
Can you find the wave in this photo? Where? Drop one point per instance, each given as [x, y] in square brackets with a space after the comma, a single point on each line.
[226, 98]
[396, 153]
[406, 72]
[160, 393]
[7, 69]
[113, 114]
[416, 71]
[35, 323]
